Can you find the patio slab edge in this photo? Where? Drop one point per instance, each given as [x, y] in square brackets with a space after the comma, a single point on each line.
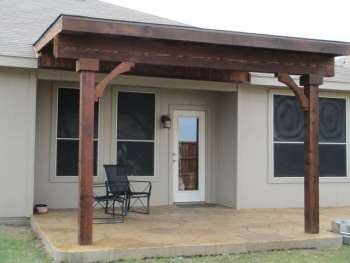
[106, 255]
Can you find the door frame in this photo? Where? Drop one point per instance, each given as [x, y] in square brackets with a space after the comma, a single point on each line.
[200, 196]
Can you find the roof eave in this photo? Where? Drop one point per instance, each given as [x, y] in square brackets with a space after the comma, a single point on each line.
[47, 36]
[87, 25]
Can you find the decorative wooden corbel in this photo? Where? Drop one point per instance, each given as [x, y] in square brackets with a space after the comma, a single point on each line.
[299, 92]
[119, 69]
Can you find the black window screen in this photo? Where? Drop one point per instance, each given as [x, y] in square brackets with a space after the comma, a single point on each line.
[135, 132]
[67, 157]
[137, 155]
[288, 120]
[289, 136]
[67, 152]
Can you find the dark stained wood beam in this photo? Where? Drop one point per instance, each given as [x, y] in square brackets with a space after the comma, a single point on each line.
[186, 54]
[87, 69]
[205, 74]
[113, 28]
[48, 61]
[298, 92]
[312, 164]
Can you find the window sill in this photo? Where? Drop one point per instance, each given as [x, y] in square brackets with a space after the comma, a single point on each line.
[145, 178]
[99, 179]
[73, 179]
[293, 180]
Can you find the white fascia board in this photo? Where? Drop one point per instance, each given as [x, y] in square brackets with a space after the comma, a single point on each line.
[18, 62]
[340, 82]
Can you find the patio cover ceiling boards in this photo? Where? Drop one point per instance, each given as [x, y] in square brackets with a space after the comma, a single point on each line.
[71, 37]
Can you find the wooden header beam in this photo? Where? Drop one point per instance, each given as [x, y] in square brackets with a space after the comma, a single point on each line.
[180, 54]
[48, 61]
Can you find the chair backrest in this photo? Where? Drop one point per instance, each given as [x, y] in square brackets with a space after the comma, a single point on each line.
[117, 179]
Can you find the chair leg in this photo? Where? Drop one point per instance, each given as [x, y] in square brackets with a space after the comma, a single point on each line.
[106, 207]
[148, 203]
[113, 208]
[125, 207]
[128, 203]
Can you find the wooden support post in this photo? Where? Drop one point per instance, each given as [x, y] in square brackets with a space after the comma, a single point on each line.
[312, 164]
[87, 69]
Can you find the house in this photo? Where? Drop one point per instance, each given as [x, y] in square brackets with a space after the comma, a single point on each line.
[240, 134]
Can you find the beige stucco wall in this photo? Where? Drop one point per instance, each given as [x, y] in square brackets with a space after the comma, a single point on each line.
[64, 194]
[246, 184]
[17, 140]
[226, 149]
[254, 186]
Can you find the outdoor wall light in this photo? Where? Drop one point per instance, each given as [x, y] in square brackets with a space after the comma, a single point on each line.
[165, 121]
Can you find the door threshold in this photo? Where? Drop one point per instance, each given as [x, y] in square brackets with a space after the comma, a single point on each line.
[194, 204]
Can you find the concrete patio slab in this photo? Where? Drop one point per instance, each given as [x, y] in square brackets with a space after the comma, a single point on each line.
[185, 231]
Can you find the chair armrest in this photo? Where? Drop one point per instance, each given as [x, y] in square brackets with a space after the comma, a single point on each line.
[98, 185]
[148, 185]
[101, 185]
[140, 181]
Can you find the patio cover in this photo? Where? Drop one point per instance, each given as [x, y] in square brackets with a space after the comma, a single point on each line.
[91, 45]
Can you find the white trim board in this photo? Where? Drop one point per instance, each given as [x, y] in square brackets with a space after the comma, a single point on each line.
[18, 62]
[340, 82]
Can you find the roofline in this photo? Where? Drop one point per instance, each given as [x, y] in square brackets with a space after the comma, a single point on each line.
[18, 62]
[102, 19]
[89, 25]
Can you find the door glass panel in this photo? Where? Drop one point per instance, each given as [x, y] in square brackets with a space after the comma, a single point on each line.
[188, 153]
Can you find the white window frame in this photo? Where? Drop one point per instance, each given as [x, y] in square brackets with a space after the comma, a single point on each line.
[54, 178]
[300, 180]
[131, 89]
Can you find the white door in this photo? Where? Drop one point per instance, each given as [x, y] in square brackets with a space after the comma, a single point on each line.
[189, 156]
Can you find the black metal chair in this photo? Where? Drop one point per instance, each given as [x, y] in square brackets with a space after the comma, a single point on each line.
[116, 192]
[101, 201]
[139, 192]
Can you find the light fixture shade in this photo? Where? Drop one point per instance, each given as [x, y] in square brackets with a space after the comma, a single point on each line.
[165, 121]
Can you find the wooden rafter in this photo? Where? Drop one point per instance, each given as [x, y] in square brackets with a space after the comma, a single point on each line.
[299, 92]
[119, 69]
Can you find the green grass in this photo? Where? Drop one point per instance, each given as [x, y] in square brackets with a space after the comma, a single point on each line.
[19, 244]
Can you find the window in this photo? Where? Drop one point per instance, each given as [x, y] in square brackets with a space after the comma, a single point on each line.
[135, 132]
[288, 137]
[67, 150]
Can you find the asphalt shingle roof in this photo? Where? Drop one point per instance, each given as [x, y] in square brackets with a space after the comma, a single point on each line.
[23, 21]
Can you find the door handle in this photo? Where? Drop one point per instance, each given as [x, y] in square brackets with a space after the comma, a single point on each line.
[174, 157]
